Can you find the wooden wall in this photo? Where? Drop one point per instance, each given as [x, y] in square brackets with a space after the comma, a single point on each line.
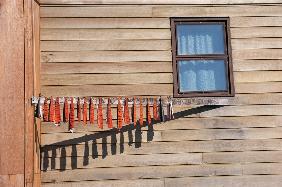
[114, 50]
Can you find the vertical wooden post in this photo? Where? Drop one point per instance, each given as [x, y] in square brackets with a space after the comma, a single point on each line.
[12, 92]
[36, 62]
[32, 87]
[29, 90]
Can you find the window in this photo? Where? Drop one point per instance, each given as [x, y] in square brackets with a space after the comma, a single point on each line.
[201, 57]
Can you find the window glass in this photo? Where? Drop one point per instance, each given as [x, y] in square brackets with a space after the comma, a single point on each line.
[202, 75]
[200, 39]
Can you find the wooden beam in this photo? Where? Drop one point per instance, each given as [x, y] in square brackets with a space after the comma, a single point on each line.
[37, 86]
[164, 2]
[28, 85]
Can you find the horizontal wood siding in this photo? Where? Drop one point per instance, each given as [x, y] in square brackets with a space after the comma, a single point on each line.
[144, 2]
[124, 48]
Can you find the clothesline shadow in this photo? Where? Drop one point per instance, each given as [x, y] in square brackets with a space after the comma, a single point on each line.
[91, 142]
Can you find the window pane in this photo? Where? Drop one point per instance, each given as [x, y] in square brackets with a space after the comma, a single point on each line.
[202, 75]
[200, 39]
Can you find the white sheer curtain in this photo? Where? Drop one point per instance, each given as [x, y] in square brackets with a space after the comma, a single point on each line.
[199, 44]
[199, 75]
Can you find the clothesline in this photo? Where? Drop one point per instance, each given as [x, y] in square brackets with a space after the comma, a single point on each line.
[105, 100]
[49, 110]
[175, 101]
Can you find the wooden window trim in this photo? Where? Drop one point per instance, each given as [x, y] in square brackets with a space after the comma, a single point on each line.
[227, 57]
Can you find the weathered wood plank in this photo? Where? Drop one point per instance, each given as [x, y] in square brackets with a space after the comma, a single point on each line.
[228, 134]
[107, 34]
[264, 87]
[106, 45]
[140, 67]
[122, 160]
[248, 110]
[82, 79]
[256, 43]
[255, 65]
[255, 21]
[110, 183]
[146, 78]
[256, 32]
[146, 89]
[257, 54]
[105, 56]
[182, 11]
[86, 148]
[168, 135]
[163, 172]
[104, 34]
[160, 11]
[124, 67]
[163, 2]
[108, 90]
[125, 56]
[153, 172]
[234, 181]
[258, 76]
[146, 22]
[243, 157]
[183, 123]
[100, 12]
[105, 23]
[262, 169]
[155, 55]
[239, 99]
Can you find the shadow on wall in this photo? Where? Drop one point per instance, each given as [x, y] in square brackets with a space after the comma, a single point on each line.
[134, 139]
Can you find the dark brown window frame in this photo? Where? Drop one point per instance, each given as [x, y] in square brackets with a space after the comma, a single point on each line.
[227, 57]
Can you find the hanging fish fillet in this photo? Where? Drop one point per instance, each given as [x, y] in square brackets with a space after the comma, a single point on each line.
[141, 112]
[126, 112]
[120, 118]
[134, 118]
[66, 110]
[100, 114]
[71, 117]
[45, 110]
[84, 112]
[149, 120]
[78, 110]
[109, 114]
[52, 110]
[57, 111]
[91, 111]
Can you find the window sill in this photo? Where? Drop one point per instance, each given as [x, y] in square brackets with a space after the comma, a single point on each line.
[205, 101]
